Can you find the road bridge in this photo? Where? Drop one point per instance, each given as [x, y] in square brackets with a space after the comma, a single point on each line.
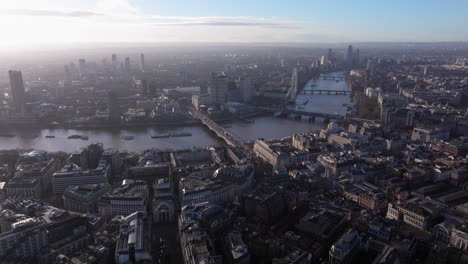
[327, 77]
[327, 92]
[286, 111]
[229, 138]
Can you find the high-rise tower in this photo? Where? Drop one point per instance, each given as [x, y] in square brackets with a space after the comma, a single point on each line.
[17, 90]
[218, 87]
[114, 62]
[245, 89]
[142, 62]
[82, 67]
[128, 67]
[350, 56]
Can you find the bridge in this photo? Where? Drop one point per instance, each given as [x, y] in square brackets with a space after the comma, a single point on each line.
[328, 77]
[229, 138]
[327, 92]
[298, 113]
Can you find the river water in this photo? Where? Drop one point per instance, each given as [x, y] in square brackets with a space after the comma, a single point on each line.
[323, 103]
[264, 127]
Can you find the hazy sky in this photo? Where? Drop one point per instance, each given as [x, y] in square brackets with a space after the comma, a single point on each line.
[26, 22]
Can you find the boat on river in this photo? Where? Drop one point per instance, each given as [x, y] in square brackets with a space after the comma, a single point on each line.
[181, 134]
[301, 101]
[161, 136]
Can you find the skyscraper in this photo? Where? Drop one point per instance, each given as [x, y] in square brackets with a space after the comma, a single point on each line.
[82, 67]
[142, 62]
[330, 55]
[114, 62]
[144, 88]
[218, 87]
[68, 76]
[127, 64]
[17, 90]
[323, 60]
[350, 56]
[245, 89]
[356, 58]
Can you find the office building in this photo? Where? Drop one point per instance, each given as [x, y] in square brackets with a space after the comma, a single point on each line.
[32, 178]
[350, 56]
[82, 67]
[84, 198]
[112, 157]
[202, 100]
[68, 77]
[330, 55]
[134, 240]
[17, 90]
[344, 249]
[224, 185]
[128, 67]
[271, 153]
[73, 175]
[142, 62]
[150, 172]
[129, 198]
[323, 60]
[266, 203]
[238, 250]
[25, 243]
[113, 106]
[245, 89]
[114, 62]
[356, 57]
[218, 88]
[197, 246]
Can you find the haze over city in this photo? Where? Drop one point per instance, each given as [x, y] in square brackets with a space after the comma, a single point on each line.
[210, 132]
[33, 22]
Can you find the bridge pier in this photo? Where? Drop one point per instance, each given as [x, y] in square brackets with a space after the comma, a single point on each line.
[326, 120]
[311, 118]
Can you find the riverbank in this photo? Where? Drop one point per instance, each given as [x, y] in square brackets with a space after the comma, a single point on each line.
[127, 125]
[265, 126]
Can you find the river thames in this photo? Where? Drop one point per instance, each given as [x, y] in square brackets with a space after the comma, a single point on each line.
[267, 127]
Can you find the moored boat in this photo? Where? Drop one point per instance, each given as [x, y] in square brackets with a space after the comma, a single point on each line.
[161, 136]
[181, 134]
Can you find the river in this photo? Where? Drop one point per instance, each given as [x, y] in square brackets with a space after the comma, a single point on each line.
[263, 127]
[324, 103]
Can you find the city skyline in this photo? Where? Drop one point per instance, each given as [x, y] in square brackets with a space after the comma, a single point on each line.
[208, 21]
[272, 132]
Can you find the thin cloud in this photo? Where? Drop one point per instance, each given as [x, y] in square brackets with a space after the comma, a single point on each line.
[222, 21]
[51, 13]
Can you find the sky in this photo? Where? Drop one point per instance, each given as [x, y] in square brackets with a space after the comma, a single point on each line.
[39, 22]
